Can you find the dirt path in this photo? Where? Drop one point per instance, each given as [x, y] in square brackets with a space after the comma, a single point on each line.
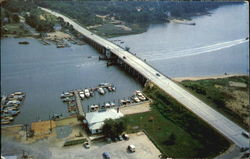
[134, 109]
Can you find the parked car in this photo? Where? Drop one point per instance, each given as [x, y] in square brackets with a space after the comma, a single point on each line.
[125, 136]
[86, 145]
[106, 155]
[157, 74]
[120, 138]
[131, 148]
[108, 140]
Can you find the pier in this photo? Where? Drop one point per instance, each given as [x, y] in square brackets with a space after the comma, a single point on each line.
[80, 111]
[143, 72]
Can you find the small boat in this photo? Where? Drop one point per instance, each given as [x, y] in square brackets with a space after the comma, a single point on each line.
[3, 122]
[91, 93]
[9, 118]
[105, 84]
[136, 99]
[112, 104]
[107, 105]
[12, 112]
[113, 88]
[141, 97]
[94, 108]
[122, 101]
[86, 92]
[101, 90]
[18, 93]
[110, 89]
[23, 42]
[67, 99]
[127, 101]
[13, 102]
[81, 94]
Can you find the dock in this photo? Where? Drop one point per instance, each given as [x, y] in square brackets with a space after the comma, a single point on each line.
[79, 104]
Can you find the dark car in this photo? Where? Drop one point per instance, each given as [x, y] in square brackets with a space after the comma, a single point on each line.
[124, 57]
[157, 74]
[106, 155]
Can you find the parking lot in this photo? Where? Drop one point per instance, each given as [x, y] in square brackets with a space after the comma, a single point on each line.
[118, 150]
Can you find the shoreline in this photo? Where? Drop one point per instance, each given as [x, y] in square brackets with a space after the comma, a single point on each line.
[196, 78]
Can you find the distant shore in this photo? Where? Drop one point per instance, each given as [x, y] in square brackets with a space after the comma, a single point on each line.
[179, 79]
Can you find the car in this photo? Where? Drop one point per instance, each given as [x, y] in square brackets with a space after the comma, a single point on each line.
[120, 138]
[243, 149]
[157, 74]
[86, 145]
[108, 140]
[125, 136]
[245, 134]
[124, 57]
[106, 155]
[131, 148]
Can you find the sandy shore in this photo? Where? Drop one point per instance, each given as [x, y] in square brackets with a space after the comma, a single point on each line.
[179, 79]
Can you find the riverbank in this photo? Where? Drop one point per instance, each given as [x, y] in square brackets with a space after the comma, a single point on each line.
[228, 94]
[196, 78]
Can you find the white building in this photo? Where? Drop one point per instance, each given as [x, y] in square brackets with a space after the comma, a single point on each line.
[95, 120]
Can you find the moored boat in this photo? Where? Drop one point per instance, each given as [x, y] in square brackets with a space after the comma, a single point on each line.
[86, 92]
[101, 90]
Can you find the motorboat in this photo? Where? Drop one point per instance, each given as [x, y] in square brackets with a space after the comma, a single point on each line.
[136, 99]
[101, 90]
[81, 94]
[107, 105]
[86, 92]
[112, 104]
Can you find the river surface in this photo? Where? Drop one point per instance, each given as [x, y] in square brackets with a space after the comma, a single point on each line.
[215, 45]
[44, 72]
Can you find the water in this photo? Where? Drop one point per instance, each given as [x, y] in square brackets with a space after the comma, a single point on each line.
[44, 72]
[215, 45]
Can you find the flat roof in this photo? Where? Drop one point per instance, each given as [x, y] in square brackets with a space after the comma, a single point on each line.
[97, 117]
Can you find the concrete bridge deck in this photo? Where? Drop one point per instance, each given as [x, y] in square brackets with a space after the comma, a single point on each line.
[226, 127]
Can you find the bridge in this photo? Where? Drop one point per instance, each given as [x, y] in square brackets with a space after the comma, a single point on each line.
[144, 72]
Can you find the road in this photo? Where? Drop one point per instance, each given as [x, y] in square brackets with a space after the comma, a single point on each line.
[225, 126]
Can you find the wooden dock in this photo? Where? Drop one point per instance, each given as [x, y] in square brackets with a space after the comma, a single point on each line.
[79, 104]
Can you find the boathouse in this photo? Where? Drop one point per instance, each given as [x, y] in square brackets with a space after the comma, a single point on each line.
[95, 120]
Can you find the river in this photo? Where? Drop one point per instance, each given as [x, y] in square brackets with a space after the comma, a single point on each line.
[44, 72]
[215, 45]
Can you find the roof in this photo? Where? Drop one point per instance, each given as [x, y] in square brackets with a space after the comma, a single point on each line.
[96, 117]
[96, 126]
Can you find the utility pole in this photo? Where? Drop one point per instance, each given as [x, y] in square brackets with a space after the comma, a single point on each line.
[26, 130]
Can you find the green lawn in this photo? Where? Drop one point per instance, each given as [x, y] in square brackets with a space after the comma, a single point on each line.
[194, 138]
[16, 29]
[160, 129]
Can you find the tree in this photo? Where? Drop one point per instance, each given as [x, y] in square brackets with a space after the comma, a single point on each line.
[113, 128]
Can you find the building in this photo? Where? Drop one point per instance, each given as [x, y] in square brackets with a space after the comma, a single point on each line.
[95, 120]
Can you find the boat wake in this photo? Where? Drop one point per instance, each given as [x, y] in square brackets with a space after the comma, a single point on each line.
[194, 51]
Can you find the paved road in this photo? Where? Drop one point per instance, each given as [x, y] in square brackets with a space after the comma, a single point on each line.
[228, 128]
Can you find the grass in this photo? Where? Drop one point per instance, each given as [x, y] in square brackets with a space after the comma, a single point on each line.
[110, 30]
[16, 29]
[216, 97]
[194, 138]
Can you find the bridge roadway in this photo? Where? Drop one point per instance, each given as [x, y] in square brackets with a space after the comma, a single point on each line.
[223, 125]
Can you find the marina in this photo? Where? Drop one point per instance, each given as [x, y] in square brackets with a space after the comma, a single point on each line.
[10, 106]
[73, 99]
